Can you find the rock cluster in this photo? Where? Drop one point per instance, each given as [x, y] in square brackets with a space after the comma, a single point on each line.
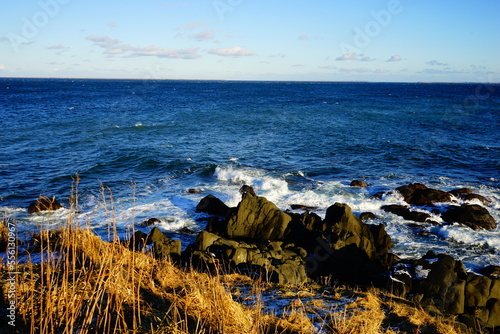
[257, 237]
[441, 284]
[421, 198]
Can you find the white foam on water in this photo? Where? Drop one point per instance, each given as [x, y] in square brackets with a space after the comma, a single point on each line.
[271, 187]
[421, 273]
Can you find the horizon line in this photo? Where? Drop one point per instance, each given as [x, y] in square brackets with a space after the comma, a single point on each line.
[252, 80]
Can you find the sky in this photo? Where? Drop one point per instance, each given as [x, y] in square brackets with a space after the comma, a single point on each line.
[315, 40]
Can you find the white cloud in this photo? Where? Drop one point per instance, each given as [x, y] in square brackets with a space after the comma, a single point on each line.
[58, 47]
[303, 37]
[2, 67]
[237, 51]
[203, 36]
[435, 63]
[103, 41]
[156, 51]
[354, 56]
[114, 47]
[111, 24]
[347, 56]
[192, 26]
[394, 58]
[446, 70]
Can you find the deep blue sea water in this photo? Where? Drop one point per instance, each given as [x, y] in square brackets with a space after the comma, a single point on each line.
[147, 142]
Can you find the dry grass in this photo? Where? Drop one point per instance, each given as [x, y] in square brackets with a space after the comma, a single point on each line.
[376, 313]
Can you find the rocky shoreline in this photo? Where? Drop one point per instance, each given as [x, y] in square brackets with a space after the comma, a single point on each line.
[258, 239]
[261, 241]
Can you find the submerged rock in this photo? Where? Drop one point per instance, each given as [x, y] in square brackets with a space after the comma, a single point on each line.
[471, 197]
[472, 215]
[367, 215]
[406, 213]
[358, 183]
[151, 222]
[419, 194]
[44, 204]
[461, 191]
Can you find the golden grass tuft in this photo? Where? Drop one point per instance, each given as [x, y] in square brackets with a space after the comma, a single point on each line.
[376, 313]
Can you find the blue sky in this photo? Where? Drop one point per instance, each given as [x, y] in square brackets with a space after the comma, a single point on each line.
[331, 40]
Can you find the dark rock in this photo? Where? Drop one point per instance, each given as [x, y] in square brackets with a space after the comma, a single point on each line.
[138, 241]
[345, 228]
[461, 191]
[151, 222]
[406, 213]
[164, 247]
[304, 229]
[246, 189]
[378, 195]
[491, 271]
[274, 262]
[407, 190]
[348, 265]
[471, 197]
[445, 284]
[213, 206]
[482, 296]
[194, 191]
[381, 240]
[44, 204]
[474, 216]
[358, 183]
[428, 197]
[258, 219]
[367, 215]
[217, 225]
[302, 207]
[186, 230]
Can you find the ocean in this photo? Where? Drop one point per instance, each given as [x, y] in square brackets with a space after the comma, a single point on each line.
[136, 147]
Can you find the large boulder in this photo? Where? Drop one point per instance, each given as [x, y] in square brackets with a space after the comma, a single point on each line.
[213, 206]
[472, 215]
[419, 194]
[482, 296]
[44, 204]
[428, 196]
[407, 190]
[349, 250]
[344, 228]
[257, 219]
[444, 283]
